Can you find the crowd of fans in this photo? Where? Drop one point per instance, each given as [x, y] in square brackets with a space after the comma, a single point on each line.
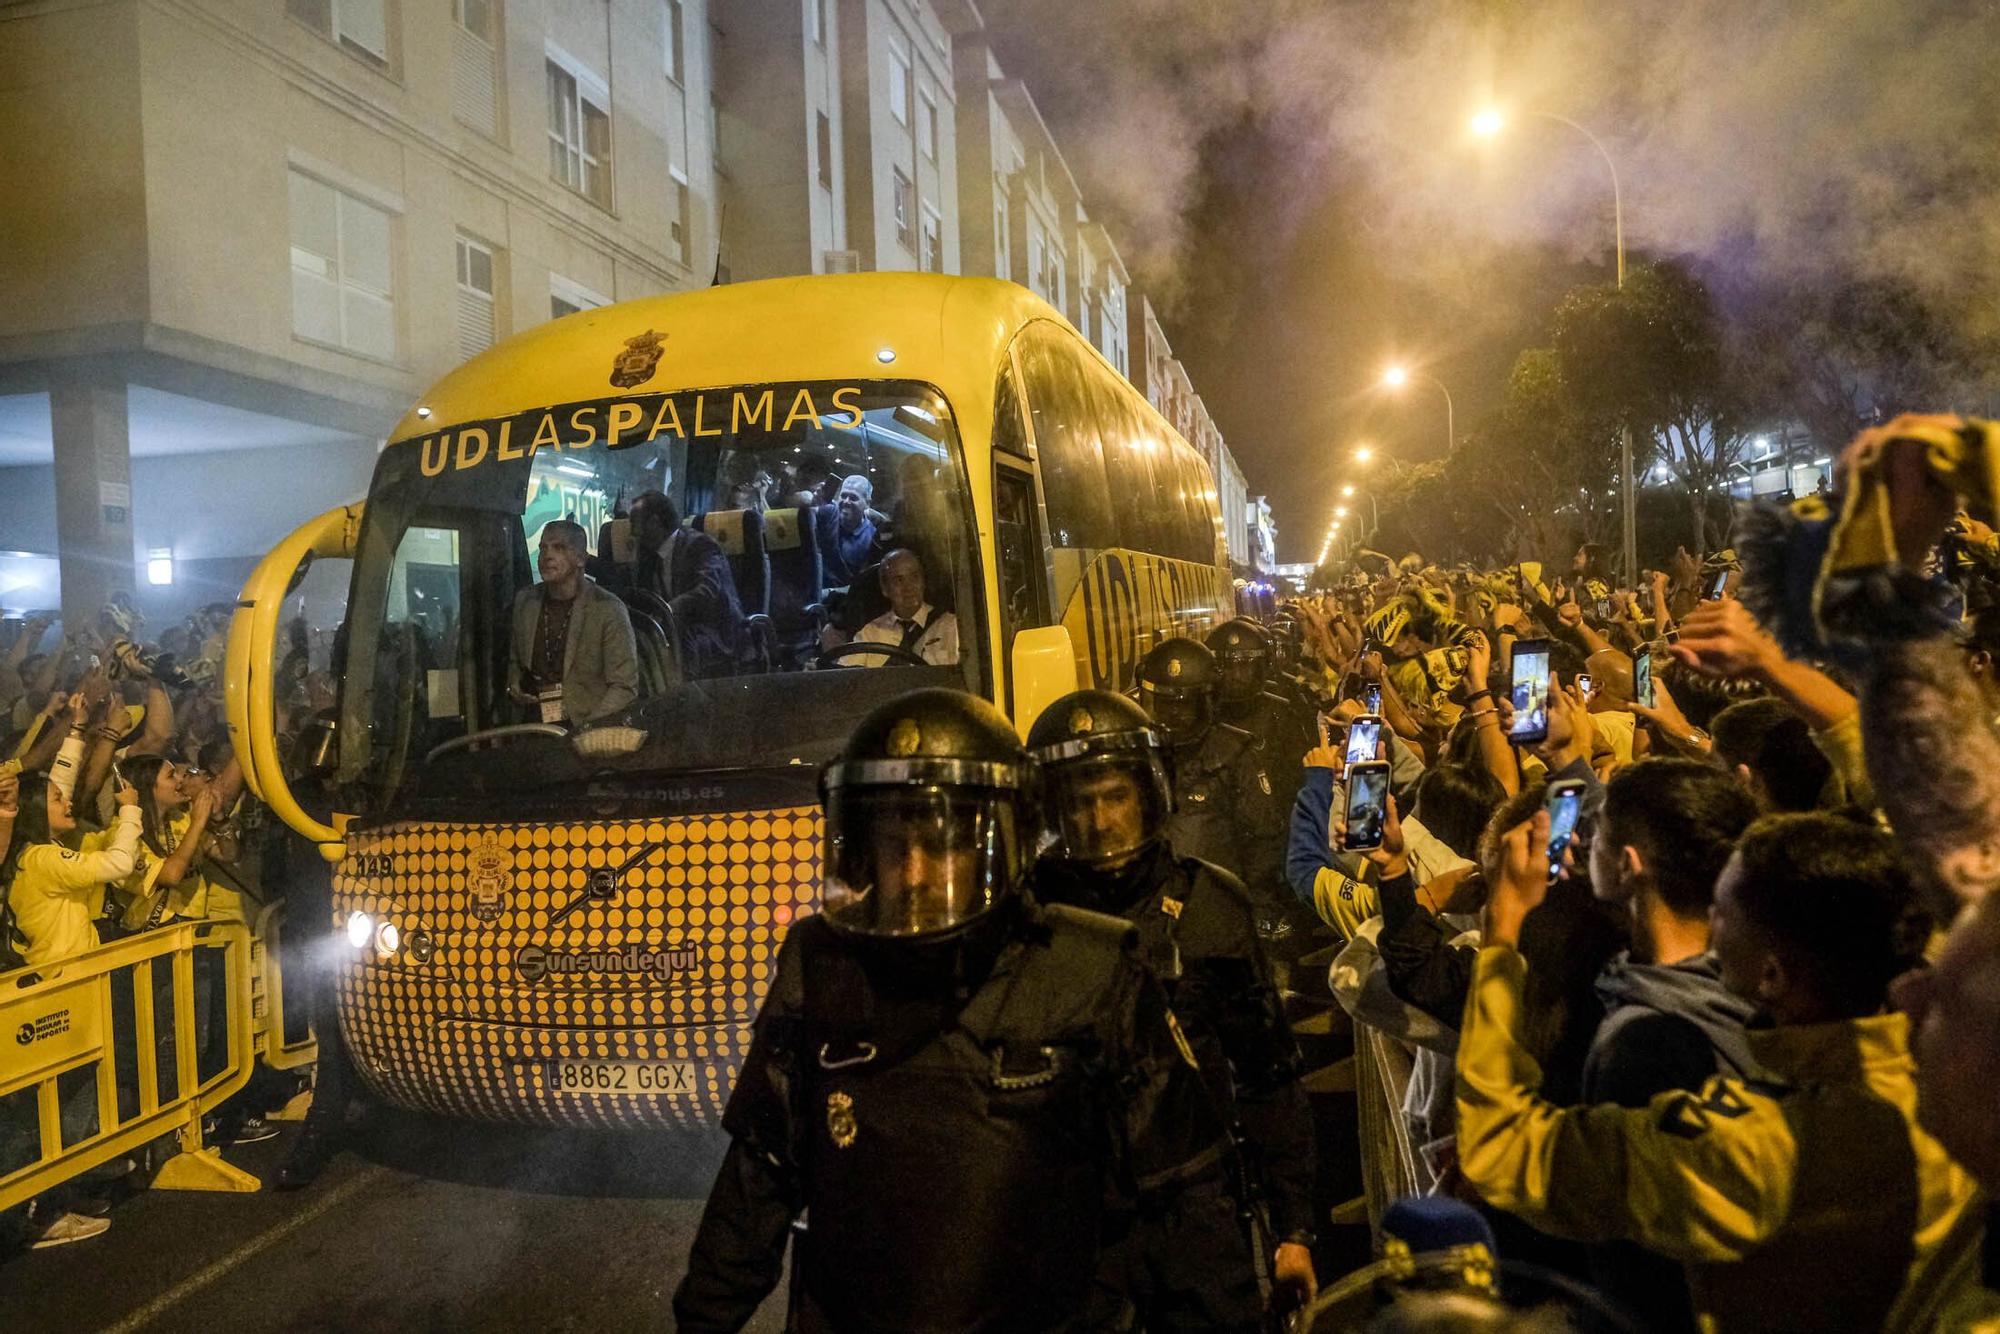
[122, 810]
[1726, 1056]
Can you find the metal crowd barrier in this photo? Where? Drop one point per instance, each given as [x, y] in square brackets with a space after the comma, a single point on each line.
[267, 996]
[58, 1018]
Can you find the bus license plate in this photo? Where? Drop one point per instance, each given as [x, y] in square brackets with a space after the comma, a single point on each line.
[587, 1078]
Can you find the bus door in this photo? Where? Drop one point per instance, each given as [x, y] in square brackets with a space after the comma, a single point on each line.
[1021, 557]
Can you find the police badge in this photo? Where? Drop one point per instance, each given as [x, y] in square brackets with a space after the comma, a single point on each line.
[840, 1123]
[636, 364]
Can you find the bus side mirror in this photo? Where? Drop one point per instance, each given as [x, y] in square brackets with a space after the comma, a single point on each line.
[1044, 667]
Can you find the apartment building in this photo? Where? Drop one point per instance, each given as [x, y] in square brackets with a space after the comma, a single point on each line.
[240, 232]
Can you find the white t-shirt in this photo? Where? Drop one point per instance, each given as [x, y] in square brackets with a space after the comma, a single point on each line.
[936, 645]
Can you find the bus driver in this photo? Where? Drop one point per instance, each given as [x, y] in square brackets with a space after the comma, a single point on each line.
[910, 622]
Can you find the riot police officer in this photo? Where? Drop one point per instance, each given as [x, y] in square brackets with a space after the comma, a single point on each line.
[943, 1074]
[1234, 791]
[1247, 692]
[1180, 1257]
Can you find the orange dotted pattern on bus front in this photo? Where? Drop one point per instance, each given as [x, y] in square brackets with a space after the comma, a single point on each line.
[468, 1035]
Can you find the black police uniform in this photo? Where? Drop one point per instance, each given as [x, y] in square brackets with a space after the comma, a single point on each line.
[950, 1111]
[1181, 1256]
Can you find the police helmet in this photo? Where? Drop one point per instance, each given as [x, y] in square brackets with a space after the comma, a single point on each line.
[1242, 652]
[928, 817]
[1177, 685]
[1106, 789]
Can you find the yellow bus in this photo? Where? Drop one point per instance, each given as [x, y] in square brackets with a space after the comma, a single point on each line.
[575, 926]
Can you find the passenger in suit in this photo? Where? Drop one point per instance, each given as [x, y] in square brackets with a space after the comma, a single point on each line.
[691, 575]
[573, 650]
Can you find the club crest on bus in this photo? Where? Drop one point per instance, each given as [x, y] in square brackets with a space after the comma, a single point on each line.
[641, 357]
[489, 873]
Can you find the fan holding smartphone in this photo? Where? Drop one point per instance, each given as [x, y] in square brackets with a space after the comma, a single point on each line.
[1530, 692]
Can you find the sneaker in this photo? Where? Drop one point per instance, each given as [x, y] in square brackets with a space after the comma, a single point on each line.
[68, 1228]
[254, 1130]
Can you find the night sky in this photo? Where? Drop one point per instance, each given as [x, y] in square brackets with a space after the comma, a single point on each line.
[1293, 183]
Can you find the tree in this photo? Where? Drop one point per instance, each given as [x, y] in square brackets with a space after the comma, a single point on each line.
[1839, 355]
[1539, 472]
[1653, 357]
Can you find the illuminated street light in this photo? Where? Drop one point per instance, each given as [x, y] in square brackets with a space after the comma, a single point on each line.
[1489, 123]
[1340, 510]
[1395, 377]
[1362, 454]
[1347, 490]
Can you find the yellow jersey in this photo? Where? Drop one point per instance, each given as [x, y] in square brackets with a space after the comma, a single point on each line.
[58, 892]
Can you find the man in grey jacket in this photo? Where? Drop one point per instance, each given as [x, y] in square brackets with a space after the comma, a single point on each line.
[574, 655]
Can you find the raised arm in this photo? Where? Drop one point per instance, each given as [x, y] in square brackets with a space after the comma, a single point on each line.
[1934, 761]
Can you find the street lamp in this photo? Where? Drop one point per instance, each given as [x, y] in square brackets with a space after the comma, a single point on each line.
[1347, 490]
[1489, 123]
[1362, 454]
[1395, 377]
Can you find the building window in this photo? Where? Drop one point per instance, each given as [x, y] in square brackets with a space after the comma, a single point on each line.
[825, 145]
[905, 203]
[1037, 278]
[567, 298]
[676, 41]
[342, 293]
[1003, 257]
[816, 21]
[927, 123]
[677, 224]
[474, 87]
[932, 257]
[475, 296]
[359, 27]
[579, 132]
[899, 80]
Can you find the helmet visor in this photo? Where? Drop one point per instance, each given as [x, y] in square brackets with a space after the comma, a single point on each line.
[1242, 674]
[908, 861]
[1102, 809]
[1182, 714]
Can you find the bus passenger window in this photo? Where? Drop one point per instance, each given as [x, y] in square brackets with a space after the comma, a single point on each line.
[1066, 444]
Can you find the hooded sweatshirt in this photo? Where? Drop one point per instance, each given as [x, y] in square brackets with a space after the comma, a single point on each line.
[1666, 1026]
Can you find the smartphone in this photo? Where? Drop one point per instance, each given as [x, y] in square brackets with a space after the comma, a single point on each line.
[1364, 734]
[1586, 683]
[1604, 609]
[1531, 692]
[1716, 586]
[1642, 679]
[1367, 805]
[1564, 803]
[1371, 697]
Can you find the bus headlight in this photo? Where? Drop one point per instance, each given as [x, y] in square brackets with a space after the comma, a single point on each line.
[388, 937]
[421, 946]
[360, 929]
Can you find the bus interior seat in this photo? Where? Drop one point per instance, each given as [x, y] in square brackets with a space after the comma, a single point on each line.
[604, 568]
[797, 610]
[658, 670]
[740, 534]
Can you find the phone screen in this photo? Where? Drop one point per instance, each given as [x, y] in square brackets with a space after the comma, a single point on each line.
[1363, 735]
[1531, 691]
[1716, 586]
[1586, 683]
[1367, 804]
[1372, 697]
[1642, 679]
[1565, 804]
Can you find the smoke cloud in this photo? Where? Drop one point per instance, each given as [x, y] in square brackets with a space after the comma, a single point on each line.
[1766, 140]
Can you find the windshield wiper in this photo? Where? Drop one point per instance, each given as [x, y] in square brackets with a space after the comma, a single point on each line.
[495, 734]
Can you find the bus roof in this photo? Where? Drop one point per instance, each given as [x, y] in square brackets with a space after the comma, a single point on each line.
[944, 330]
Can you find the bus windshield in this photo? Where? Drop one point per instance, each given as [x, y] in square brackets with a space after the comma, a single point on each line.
[803, 487]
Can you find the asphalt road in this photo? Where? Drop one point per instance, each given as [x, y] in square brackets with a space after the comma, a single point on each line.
[422, 1225]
